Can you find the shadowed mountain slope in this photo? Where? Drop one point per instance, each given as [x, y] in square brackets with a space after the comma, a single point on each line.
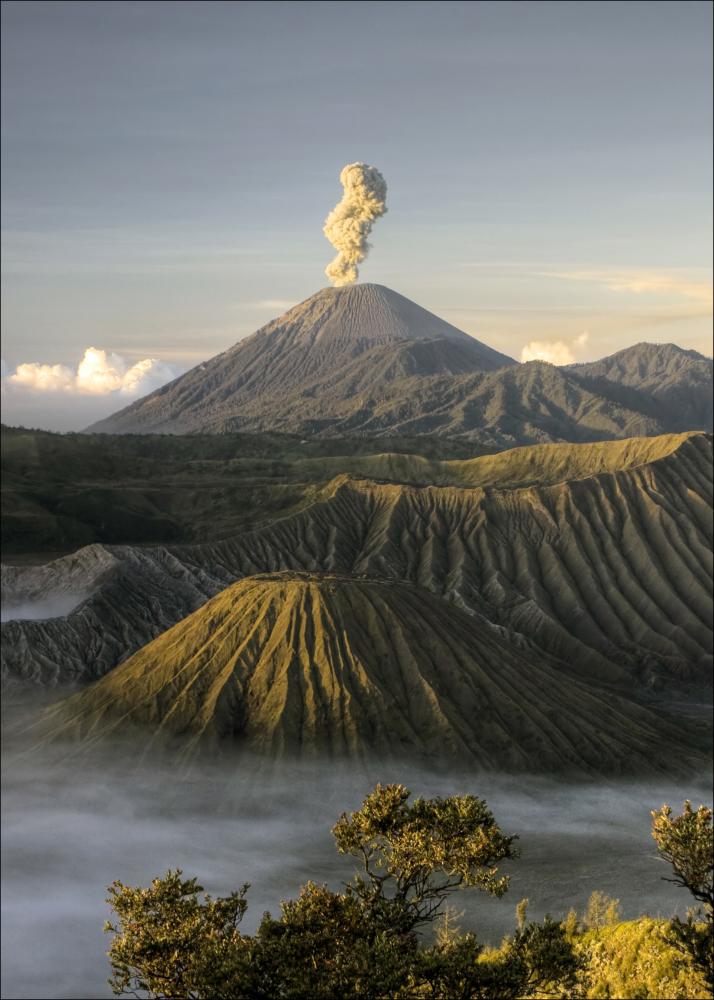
[301, 664]
[363, 360]
[608, 572]
[678, 380]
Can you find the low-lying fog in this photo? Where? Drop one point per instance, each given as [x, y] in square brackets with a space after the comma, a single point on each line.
[56, 607]
[71, 828]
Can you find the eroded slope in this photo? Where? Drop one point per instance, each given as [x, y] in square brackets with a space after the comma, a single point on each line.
[610, 573]
[303, 664]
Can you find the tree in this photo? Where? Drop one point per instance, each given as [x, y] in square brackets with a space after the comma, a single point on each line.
[602, 911]
[360, 943]
[415, 856]
[322, 947]
[167, 943]
[686, 842]
[537, 960]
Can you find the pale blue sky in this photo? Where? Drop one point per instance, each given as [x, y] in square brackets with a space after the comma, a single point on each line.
[167, 168]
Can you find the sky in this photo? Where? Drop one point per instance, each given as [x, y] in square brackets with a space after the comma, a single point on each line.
[167, 168]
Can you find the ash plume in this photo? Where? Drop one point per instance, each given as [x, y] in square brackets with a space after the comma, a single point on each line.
[350, 222]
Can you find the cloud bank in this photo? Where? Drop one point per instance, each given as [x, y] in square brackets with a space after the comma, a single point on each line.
[59, 397]
[97, 374]
[555, 352]
[350, 222]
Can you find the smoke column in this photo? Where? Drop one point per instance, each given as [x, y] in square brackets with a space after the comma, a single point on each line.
[350, 222]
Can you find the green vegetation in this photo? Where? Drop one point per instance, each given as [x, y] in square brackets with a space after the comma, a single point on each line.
[687, 844]
[381, 938]
[62, 491]
[634, 959]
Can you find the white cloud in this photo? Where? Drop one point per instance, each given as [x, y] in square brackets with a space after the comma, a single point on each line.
[97, 374]
[44, 378]
[555, 352]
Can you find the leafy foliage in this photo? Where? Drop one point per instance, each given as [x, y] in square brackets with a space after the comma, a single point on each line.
[686, 842]
[167, 943]
[602, 911]
[634, 959]
[359, 943]
[364, 942]
[414, 856]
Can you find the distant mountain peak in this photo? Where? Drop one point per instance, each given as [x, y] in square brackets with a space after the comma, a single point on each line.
[313, 342]
[367, 314]
[364, 360]
[645, 351]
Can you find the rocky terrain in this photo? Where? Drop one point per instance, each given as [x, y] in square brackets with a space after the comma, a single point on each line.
[598, 556]
[364, 360]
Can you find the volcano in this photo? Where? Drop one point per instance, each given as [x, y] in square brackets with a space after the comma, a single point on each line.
[366, 332]
[302, 664]
[362, 360]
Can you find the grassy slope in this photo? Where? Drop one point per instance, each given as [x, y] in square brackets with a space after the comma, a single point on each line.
[60, 492]
[633, 960]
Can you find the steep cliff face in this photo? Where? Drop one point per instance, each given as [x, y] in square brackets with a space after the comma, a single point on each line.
[598, 555]
[302, 664]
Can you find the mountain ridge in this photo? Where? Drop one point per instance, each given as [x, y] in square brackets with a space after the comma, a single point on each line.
[566, 567]
[364, 360]
[321, 334]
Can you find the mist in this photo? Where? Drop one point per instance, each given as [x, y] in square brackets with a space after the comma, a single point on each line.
[72, 825]
[52, 607]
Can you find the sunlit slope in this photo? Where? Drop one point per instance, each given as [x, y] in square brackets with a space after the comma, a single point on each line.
[60, 492]
[613, 568]
[611, 573]
[535, 464]
[300, 664]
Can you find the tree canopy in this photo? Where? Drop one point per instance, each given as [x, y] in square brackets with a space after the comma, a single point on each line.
[362, 942]
[371, 939]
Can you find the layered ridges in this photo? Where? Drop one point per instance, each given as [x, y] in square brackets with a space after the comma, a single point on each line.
[610, 573]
